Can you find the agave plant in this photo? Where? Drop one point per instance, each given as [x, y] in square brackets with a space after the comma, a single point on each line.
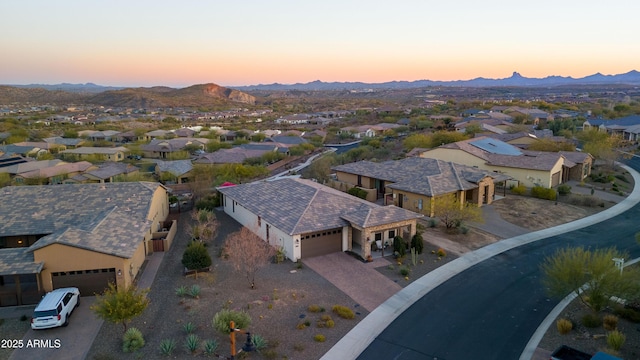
[167, 346]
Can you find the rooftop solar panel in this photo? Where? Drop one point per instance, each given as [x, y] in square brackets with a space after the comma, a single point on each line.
[495, 146]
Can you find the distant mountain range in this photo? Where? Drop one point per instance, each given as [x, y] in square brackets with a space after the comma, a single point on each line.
[516, 80]
[205, 95]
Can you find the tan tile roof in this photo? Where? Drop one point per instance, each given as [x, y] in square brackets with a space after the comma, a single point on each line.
[110, 218]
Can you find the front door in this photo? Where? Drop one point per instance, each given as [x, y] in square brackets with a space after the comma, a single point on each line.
[400, 200]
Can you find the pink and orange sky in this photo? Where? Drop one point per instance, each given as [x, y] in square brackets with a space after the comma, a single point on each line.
[232, 43]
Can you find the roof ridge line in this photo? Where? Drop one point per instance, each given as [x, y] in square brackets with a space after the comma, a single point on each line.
[455, 173]
[315, 194]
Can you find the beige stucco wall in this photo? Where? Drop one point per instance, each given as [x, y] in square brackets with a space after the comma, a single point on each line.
[158, 210]
[455, 156]
[59, 257]
[527, 177]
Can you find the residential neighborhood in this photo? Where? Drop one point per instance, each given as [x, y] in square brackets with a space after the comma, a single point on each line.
[95, 197]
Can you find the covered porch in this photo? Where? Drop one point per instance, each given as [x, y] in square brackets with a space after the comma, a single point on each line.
[377, 241]
[19, 277]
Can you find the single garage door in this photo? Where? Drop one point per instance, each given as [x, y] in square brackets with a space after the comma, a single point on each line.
[89, 282]
[321, 243]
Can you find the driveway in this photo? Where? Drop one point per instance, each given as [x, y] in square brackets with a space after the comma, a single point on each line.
[359, 280]
[74, 341]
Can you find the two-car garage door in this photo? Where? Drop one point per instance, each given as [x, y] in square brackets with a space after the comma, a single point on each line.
[89, 282]
[321, 243]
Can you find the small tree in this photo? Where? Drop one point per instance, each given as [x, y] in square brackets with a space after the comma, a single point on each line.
[417, 243]
[591, 275]
[196, 257]
[452, 214]
[399, 246]
[204, 225]
[248, 253]
[120, 306]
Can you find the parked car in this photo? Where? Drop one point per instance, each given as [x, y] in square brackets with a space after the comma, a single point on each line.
[55, 308]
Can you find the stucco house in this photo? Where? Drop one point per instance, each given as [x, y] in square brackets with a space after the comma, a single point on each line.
[414, 183]
[530, 168]
[83, 235]
[104, 153]
[172, 148]
[309, 219]
[179, 171]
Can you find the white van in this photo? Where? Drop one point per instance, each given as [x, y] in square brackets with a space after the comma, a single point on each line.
[55, 308]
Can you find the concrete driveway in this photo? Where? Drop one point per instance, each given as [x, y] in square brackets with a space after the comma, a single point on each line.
[70, 343]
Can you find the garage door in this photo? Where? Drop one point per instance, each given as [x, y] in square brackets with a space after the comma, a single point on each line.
[321, 243]
[89, 282]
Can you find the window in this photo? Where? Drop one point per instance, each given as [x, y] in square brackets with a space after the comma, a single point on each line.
[233, 206]
[378, 236]
[392, 234]
[359, 180]
[268, 227]
[259, 221]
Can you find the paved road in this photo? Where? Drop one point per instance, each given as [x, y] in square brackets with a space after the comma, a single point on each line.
[492, 309]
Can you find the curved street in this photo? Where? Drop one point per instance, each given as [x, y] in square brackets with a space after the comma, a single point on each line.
[489, 304]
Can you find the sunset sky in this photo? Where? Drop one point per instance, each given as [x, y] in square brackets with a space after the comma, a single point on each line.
[232, 43]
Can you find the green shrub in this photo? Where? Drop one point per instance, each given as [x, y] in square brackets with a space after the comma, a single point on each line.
[167, 346]
[319, 338]
[519, 190]
[417, 243]
[355, 191]
[464, 229]
[615, 339]
[196, 256]
[259, 341]
[610, 322]
[628, 314]
[194, 291]
[181, 291]
[591, 320]
[564, 326]
[210, 347]
[404, 271]
[132, 340]
[543, 193]
[433, 223]
[314, 308]
[222, 319]
[189, 327]
[399, 246]
[441, 252]
[192, 343]
[564, 189]
[343, 311]
[298, 347]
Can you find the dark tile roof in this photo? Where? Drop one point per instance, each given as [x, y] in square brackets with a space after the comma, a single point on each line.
[298, 206]
[418, 175]
[110, 218]
[18, 261]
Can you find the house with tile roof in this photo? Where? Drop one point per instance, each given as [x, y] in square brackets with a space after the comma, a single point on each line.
[102, 153]
[104, 173]
[309, 219]
[180, 170]
[414, 183]
[172, 148]
[55, 174]
[83, 235]
[627, 127]
[530, 168]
